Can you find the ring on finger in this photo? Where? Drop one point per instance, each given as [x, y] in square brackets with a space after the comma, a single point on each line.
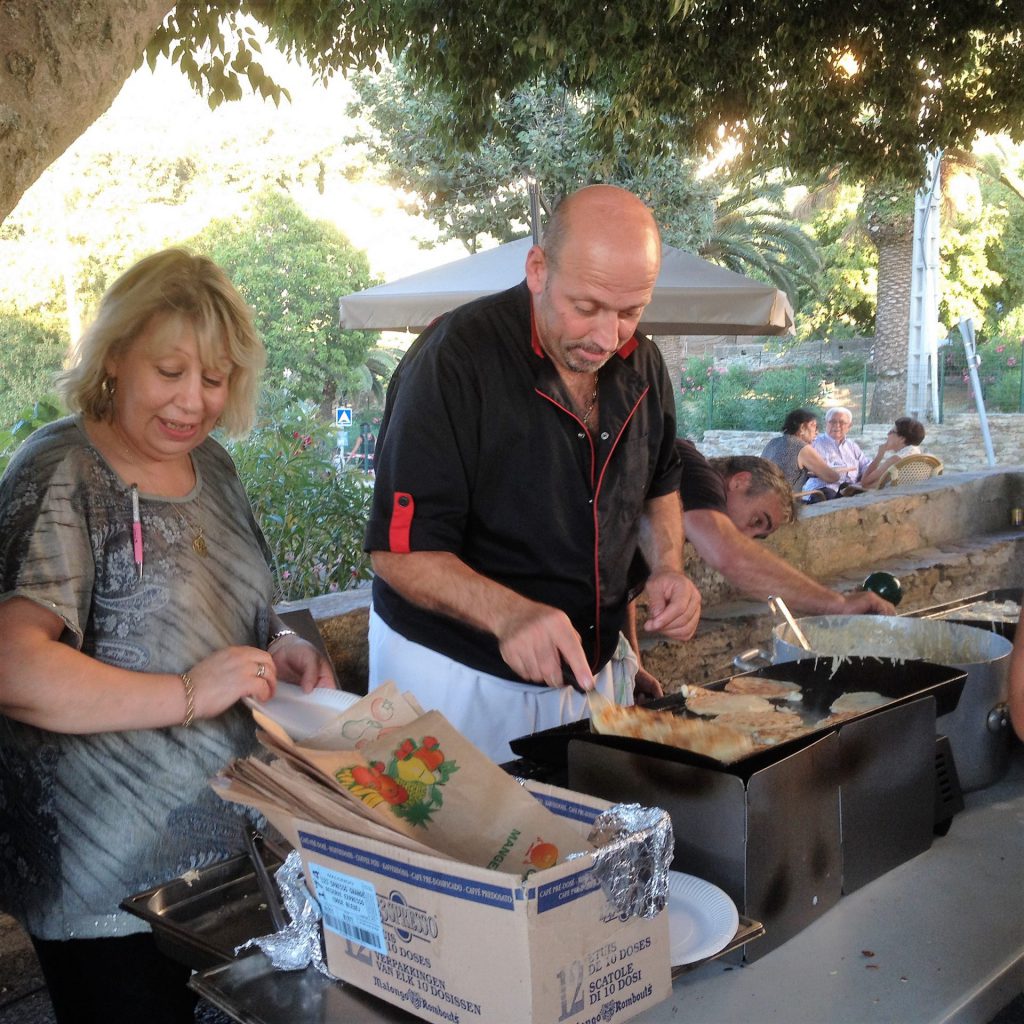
[261, 670]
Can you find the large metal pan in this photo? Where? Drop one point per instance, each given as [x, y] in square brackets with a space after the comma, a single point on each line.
[978, 729]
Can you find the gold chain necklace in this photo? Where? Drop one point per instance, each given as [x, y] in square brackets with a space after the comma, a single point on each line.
[586, 414]
[198, 539]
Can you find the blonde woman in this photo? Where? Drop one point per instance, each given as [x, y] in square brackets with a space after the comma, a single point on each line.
[135, 614]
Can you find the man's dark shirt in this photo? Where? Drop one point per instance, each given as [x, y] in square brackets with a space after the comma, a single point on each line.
[701, 485]
[480, 455]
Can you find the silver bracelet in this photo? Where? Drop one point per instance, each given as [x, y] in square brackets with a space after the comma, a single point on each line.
[280, 633]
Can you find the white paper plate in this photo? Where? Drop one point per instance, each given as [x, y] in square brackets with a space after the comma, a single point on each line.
[701, 918]
[300, 714]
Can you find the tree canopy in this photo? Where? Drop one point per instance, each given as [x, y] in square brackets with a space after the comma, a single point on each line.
[292, 270]
[802, 83]
[539, 133]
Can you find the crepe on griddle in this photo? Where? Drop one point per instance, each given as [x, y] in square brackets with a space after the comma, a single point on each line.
[858, 700]
[767, 688]
[765, 727]
[717, 741]
[717, 702]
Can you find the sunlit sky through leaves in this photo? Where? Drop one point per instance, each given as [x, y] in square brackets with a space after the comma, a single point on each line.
[78, 208]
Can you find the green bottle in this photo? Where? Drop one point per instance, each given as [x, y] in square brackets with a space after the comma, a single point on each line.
[886, 586]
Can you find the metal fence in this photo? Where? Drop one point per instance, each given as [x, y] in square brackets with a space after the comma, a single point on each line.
[1000, 373]
[717, 396]
[738, 398]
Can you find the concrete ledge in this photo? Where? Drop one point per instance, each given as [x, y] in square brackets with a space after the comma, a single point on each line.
[929, 576]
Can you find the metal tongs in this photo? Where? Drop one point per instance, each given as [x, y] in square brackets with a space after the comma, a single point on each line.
[267, 888]
[778, 606]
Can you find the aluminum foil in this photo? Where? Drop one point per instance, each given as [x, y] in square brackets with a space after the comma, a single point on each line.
[634, 851]
[299, 944]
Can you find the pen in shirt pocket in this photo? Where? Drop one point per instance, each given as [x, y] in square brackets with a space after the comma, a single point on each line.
[136, 530]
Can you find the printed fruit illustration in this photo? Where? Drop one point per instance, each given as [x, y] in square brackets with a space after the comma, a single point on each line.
[382, 709]
[419, 764]
[373, 777]
[410, 782]
[542, 855]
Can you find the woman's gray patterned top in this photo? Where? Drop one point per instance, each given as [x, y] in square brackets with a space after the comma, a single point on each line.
[86, 820]
[784, 451]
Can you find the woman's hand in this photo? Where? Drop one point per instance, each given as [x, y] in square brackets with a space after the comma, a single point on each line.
[226, 676]
[298, 661]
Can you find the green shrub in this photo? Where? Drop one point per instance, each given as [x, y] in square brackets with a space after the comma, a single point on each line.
[1000, 373]
[32, 351]
[31, 418]
[738, 398]
[312, 513]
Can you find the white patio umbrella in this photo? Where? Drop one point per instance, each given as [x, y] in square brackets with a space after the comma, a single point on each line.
[691, 296]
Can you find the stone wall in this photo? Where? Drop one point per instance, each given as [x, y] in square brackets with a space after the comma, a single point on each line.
[945, 539]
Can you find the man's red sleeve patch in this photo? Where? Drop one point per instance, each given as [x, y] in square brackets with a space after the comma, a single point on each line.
[402, 508]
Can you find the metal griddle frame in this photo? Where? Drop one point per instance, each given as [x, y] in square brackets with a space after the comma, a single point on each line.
[901, 681]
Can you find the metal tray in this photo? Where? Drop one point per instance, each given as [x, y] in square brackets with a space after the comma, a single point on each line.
[201, 922]
[822, 685]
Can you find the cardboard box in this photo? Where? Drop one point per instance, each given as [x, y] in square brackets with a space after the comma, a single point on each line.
[452, 942]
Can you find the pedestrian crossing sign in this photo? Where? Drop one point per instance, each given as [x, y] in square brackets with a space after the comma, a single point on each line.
[343, 416]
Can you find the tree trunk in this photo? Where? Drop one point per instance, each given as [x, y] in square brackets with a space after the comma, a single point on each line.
[62, 63]
[329, 400]
[895, 243]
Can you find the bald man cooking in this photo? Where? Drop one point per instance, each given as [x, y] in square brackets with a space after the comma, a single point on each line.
[527, 449]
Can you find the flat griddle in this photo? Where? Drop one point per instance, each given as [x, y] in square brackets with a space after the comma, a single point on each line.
[822, 683]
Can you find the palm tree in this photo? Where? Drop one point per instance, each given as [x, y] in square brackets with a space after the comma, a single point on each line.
[374, 373]
[886, 216]
[754, 233]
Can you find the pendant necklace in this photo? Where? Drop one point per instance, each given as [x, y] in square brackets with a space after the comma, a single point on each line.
[198, 539]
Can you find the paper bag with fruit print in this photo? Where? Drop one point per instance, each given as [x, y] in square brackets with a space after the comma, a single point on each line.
[432, 784]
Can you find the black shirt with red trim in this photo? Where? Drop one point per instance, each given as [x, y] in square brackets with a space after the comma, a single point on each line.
[479, 454]
[702, 486]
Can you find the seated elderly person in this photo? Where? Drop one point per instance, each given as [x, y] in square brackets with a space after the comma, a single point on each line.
[793, 452]
[904, 439]
[729, 503]
[841, 454]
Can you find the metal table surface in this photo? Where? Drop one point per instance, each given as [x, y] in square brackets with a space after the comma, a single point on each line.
[945, 934]
[946, 931]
